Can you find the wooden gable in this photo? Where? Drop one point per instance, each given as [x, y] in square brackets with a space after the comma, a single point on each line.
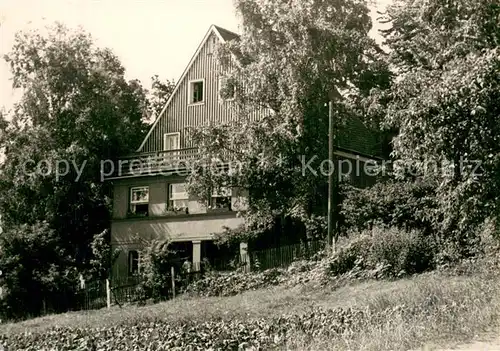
[178, 113]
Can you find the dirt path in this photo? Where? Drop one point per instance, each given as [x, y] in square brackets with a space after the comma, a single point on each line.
[493, 345]
[486, 342]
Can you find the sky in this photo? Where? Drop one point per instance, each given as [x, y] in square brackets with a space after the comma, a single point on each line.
[150, 37]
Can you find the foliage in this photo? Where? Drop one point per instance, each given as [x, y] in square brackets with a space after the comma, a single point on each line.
[76, 110]
[158, 96]
[407, 204]
[290, 60]
[233, 283]
[316, 227]
[400, 315]
[384, 253]
[483, 246]
[103, 256]
[155, 262]
[404, 252]
[445, 105]
[376, 253]
[157, 334]
[31, 267]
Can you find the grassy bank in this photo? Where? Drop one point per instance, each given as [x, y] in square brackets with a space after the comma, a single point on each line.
[372, 315]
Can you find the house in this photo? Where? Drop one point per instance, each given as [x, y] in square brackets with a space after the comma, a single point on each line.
[154, 204]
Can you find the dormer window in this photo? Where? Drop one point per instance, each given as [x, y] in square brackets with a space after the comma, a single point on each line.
[196, 91]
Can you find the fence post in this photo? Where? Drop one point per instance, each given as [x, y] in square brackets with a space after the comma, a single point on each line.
[108, 293]
[244, 256]
[196, 255]
[82, 281]
[172, 275]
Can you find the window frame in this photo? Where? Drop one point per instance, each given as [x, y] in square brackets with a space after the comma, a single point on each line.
[166, 135]
[217, 195]
[131, 260]
[171, 200]
[133, 203]
[190, 92]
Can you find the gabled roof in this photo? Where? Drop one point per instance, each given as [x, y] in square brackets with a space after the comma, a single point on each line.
[224, 35]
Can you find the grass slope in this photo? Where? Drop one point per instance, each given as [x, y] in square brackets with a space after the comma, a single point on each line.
[429, 309]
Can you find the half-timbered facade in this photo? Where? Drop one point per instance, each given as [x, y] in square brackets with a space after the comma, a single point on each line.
[150, 199]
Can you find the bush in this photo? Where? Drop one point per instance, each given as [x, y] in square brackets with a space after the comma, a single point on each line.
[484, 244]
[404, 252]
[233, 283]
[384, 252]
[33, 279]
[156, 261]
[414, 205]
[376, 253]
[409, 205]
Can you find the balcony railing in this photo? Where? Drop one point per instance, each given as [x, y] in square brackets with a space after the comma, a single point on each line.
[151, 163]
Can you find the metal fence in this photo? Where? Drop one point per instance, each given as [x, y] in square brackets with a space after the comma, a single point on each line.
[93, 296]
[123, 290]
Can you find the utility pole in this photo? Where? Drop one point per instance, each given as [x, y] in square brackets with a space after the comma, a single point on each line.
[332, 234]
[331, 244]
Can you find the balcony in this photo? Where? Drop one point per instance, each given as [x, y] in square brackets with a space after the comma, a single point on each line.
[150, 164]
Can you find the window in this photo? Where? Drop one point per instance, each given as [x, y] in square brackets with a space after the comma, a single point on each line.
[177, 197]
[227, 89]
[171, 141]
[133, 262]
[221, 199]
[196, 91]
[139, 201]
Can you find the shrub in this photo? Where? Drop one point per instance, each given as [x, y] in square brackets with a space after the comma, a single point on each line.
[408, 205]
[375, 253]
[316, 227]
[156, 261]
[384, 252]
[233, 283]
[483, 244]
[403, 252]
[350, 255]
[32, 278]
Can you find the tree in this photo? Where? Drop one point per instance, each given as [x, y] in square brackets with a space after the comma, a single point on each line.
[289, 59]
[159, 95]
[445, 104]
[76, 110]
